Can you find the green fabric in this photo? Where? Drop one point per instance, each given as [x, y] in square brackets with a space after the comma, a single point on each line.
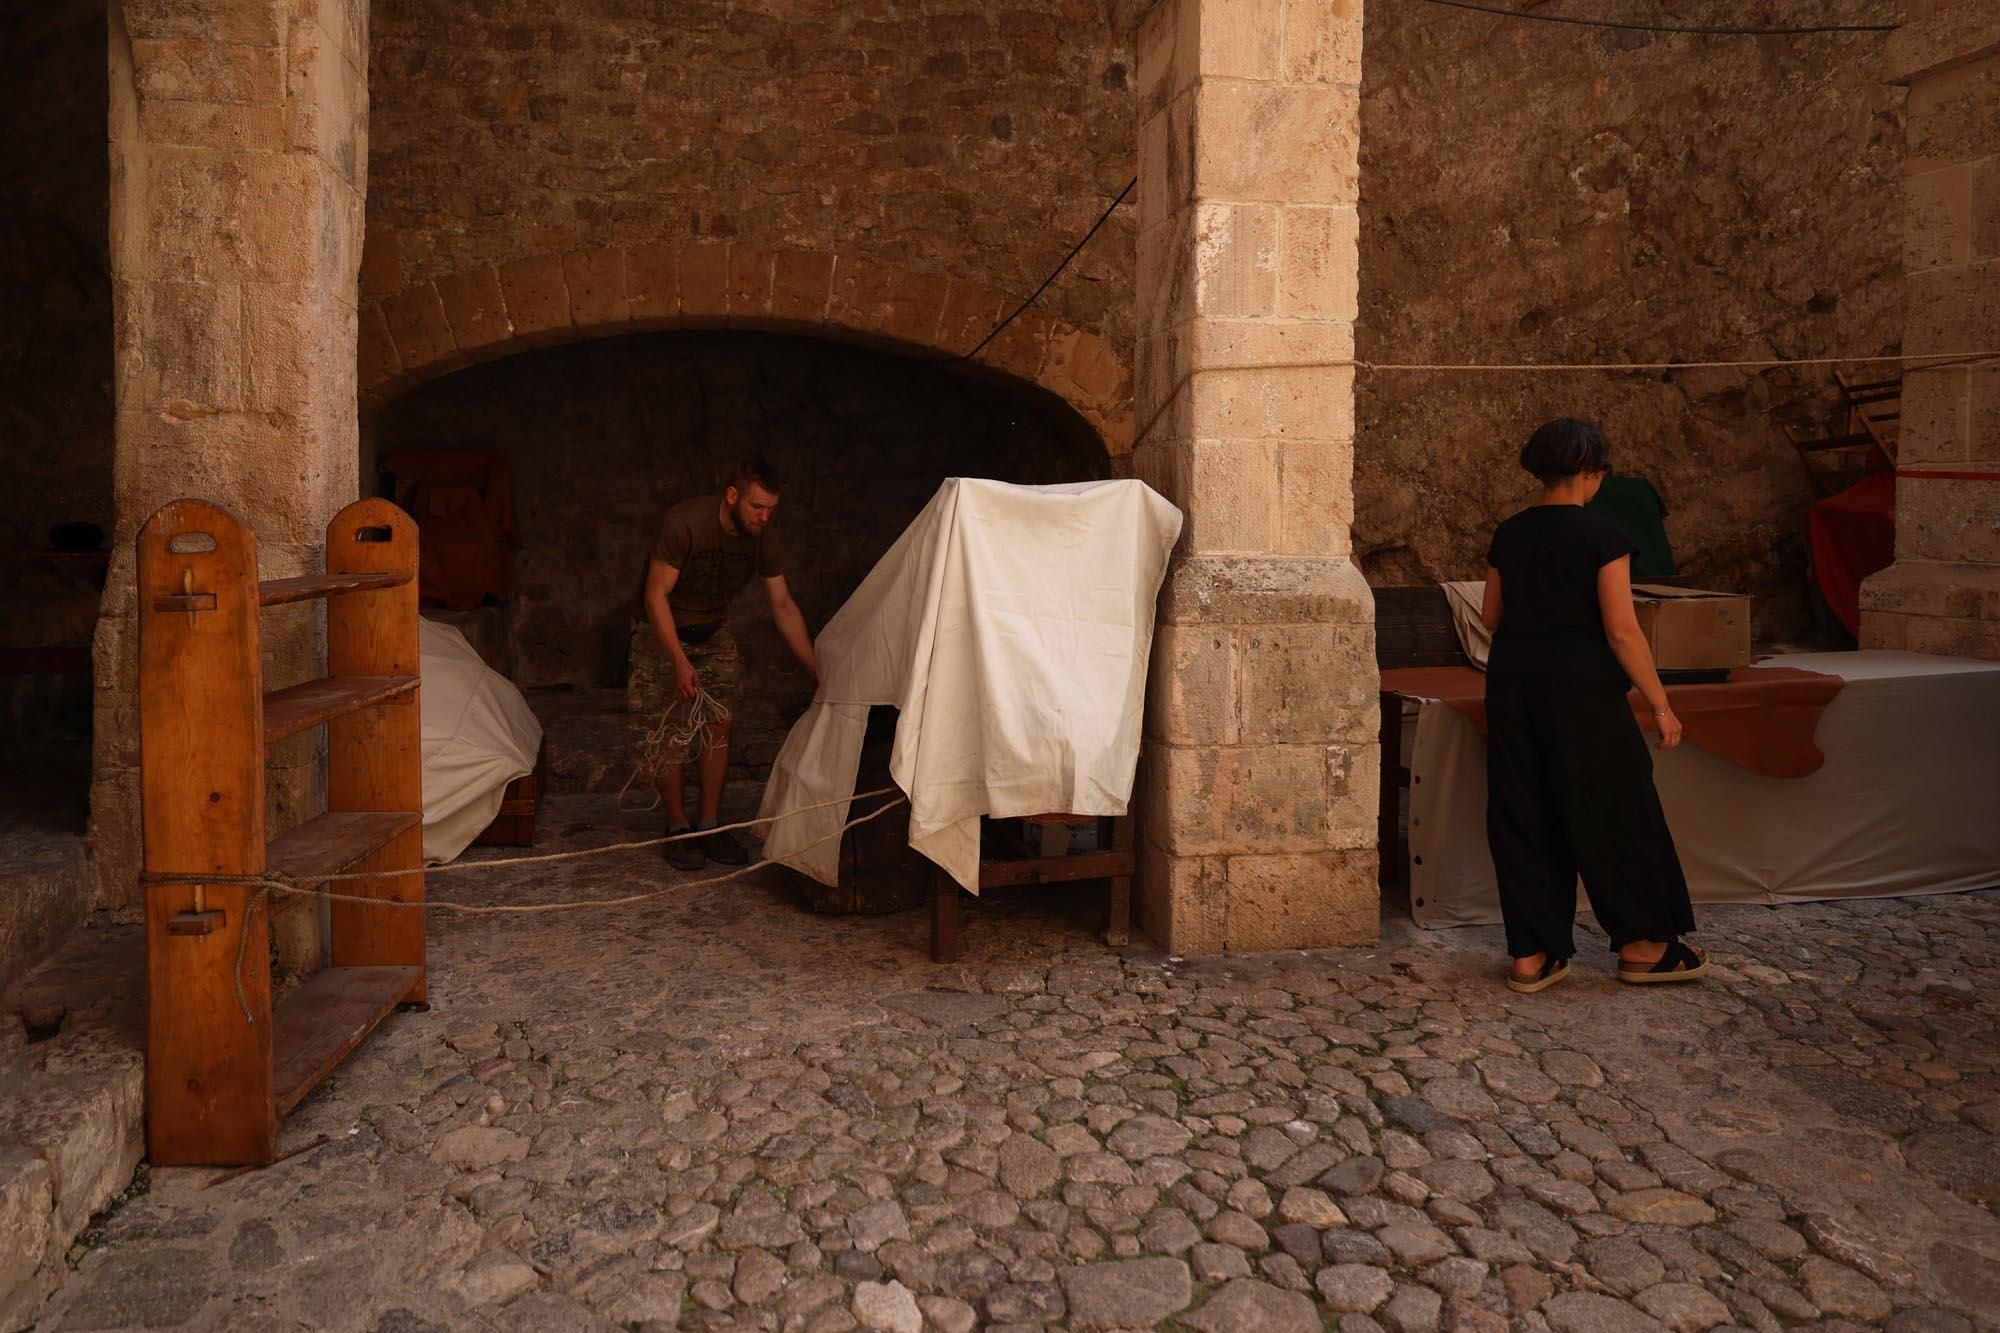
[1633, 504]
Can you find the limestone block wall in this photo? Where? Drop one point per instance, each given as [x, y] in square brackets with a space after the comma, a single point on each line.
[238, 158]
[1943, 593]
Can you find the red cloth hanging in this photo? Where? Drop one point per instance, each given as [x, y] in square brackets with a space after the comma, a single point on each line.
[1852, 535]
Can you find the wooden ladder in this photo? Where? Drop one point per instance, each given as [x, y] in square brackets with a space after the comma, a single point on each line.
[218, 1085]
[1865, 442]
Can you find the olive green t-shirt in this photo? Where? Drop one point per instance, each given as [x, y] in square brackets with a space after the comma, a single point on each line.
[714, 564]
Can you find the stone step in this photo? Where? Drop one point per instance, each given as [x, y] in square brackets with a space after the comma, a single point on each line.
[72, 1105]
[45, 890]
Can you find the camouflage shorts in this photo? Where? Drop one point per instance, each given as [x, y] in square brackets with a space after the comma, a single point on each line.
[649, 689]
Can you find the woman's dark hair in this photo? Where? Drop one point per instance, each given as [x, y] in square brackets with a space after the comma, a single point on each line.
[1560, 449]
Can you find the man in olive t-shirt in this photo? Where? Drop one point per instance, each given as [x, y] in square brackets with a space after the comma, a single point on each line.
[708, 548]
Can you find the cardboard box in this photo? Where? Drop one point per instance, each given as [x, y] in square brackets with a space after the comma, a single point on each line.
[1690, 629]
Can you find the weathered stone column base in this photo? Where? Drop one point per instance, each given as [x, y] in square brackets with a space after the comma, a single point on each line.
[1924, 606]
[1259, 781]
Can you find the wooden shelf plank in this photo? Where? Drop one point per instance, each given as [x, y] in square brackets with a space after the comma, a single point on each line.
[336, 841]
[277, 592]
[288, 712]
[316, 1026]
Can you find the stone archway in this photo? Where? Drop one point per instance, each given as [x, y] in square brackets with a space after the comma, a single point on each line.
[431, 328]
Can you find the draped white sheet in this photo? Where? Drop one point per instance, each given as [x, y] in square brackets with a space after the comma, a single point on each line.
[478, 735]
[1010, 626]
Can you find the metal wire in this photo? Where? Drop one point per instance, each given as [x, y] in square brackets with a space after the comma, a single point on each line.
[1628, 26]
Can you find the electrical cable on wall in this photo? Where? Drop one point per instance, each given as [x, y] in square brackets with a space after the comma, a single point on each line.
[1631, 26]
[1057, 272]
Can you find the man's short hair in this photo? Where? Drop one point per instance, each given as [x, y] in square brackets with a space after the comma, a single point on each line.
[762, 471]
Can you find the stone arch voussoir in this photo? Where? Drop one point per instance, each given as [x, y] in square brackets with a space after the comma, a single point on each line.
[432, 328]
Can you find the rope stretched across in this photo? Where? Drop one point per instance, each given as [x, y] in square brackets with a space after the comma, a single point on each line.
[1765, 364]
[277, 883]
[500, 862]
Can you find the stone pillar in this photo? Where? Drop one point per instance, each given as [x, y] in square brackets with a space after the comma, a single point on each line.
[1943, 593]
[1258, 786]
[238, 156]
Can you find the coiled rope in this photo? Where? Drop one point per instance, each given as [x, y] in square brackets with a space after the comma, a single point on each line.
[682, 729]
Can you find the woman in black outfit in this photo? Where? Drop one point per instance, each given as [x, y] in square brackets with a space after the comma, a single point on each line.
[1569, 780]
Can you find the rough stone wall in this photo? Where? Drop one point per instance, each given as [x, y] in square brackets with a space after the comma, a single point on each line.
[602, 436]
[1534, 192]
[974, 141]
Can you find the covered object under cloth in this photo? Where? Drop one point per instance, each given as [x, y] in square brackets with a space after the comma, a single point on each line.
[478, 735]
[1904, 802]
[1010, 626]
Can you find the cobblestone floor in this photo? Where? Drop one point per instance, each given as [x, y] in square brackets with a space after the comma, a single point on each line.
[721, 1112]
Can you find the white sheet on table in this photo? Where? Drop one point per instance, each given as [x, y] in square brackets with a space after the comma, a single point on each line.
[1010, 625]
[478, 735]
[1904, 804]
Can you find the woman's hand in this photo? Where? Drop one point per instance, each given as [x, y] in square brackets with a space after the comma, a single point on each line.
[1670, 728]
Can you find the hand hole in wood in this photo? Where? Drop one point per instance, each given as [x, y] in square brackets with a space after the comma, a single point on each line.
[190, 543]
[375, 535]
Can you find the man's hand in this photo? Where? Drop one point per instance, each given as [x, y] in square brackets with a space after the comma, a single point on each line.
[687, 681]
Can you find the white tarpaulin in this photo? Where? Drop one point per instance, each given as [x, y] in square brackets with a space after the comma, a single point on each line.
[1010, 626]
[478, 736]
[1904, 803]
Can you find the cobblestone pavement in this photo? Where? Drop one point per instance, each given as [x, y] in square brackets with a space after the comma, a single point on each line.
[721, 1112]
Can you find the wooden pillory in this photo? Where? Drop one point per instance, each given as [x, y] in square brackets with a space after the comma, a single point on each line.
[218, 1085]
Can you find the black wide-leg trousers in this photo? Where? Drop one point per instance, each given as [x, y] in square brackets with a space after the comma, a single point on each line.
[1569, 792]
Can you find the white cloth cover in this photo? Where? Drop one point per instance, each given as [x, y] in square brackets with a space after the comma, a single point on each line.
[478, 735]
[1467, 601]
[1903, 805]
[1010, 625]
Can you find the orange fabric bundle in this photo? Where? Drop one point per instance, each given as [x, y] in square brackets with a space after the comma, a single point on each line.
[1762, 718]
